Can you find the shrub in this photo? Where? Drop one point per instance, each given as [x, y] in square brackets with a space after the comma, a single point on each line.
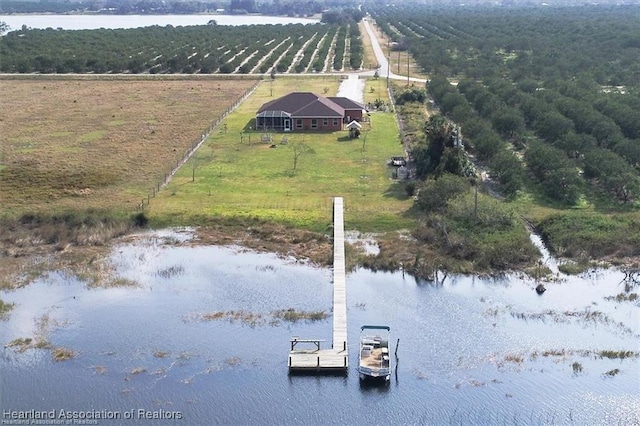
[435, 194]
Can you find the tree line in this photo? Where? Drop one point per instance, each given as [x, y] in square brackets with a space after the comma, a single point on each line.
[192, 49]
[551, 92]
[340, 8]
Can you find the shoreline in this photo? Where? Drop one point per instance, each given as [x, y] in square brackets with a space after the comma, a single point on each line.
[24, 262]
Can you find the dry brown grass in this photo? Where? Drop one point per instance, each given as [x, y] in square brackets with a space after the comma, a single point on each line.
[78, 144]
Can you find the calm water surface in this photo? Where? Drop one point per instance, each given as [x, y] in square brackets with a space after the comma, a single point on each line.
[471, 351]
[92, 22]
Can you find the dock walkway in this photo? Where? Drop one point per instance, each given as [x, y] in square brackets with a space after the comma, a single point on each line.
[313, 358]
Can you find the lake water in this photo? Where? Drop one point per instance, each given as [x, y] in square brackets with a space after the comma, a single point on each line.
[90, 22]
[471, 350]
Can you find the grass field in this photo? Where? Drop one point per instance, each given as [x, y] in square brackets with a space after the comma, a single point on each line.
[235, 174]
[70, 144]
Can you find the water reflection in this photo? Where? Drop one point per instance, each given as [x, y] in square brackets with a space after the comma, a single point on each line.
[472, 350]
[375, 386]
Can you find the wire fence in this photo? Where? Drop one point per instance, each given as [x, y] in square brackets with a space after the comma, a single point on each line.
[179, 162]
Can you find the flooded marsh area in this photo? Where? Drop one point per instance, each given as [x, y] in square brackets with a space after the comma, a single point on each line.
[204, 331]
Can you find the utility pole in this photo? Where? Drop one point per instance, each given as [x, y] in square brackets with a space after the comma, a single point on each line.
[407, 67]
[388, 68]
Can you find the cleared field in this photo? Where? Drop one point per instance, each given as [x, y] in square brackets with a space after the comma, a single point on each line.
[236, 174]
[78, 144]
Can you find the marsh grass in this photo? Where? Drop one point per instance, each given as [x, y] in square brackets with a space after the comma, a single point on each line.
[586, 316]
[618, 354]
[247, 318]
[623, 297]
[19, 235]
[612, 373]
[539, 272]
[515, 358]
[574, 268]
[401, 251]
[78, 239]
[577, 367]
[292, 315]
[252, 319]
[44, 325]
[171, 271]
[62, 354]
[99, 369]
[585, 235]
[565, 353]
[5, 308]
[233, 361]
[21, 344]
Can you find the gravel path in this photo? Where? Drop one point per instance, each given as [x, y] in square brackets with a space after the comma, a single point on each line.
[352, 88]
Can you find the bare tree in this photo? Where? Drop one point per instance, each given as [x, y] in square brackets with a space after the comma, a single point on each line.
[299, 150]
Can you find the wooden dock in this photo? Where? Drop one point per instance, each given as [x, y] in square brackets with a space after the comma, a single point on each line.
[312, 358]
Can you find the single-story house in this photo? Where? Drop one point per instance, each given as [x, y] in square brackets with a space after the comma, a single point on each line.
[305, 111]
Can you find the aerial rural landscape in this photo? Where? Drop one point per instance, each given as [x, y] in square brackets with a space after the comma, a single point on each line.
[168, 216]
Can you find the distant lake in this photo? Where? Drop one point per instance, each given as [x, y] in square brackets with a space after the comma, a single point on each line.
[92, 22]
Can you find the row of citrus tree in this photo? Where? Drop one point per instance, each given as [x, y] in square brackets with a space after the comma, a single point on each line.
[550, 92]
[192, 49]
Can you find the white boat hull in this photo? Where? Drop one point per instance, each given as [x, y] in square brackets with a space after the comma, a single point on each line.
[374, 361]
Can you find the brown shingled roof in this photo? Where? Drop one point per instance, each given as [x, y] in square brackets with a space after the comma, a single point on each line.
[306, 104]
[346, 103]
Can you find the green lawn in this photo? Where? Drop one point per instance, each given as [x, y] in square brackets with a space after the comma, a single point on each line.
[238, 175]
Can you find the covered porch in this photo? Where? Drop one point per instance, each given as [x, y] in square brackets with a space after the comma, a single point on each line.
[274, 120]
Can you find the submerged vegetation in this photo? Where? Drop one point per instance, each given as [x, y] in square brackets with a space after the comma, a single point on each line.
[623, 297]
[62, 354]
[257, 319]
[5, 308]
[292, 315]
[612, 373]
[37, 236]
[618, 354]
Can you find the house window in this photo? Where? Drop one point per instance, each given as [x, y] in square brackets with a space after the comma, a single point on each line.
[299, 123]
[335, 121]
[314, 123]
[325, 122]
